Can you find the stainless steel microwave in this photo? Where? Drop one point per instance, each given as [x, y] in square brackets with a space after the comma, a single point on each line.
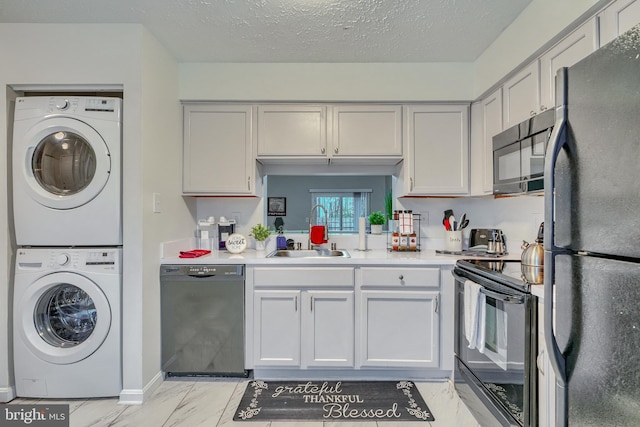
[518, 155]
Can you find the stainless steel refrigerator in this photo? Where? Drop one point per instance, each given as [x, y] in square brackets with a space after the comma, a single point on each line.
[592, 238]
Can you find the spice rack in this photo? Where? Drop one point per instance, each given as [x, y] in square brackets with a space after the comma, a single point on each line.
[404, 232]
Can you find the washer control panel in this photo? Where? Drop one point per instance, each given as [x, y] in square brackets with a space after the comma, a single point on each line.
[106, 260]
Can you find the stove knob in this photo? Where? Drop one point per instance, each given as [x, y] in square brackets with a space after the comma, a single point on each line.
[62, 259]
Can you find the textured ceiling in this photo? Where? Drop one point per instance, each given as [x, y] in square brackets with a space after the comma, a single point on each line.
[294, 30]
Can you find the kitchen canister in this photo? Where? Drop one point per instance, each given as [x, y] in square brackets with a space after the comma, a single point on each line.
[453, 240]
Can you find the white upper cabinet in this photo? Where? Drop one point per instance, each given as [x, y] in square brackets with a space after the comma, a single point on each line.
[437, 160]
[218, 150]
[371, 131]
[292, 130]
[486, 122]
[576, 46]
[521, 95]
[617, 18]
[492, 125]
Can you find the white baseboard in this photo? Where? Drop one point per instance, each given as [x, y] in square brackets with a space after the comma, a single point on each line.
[7, 394]
[137, 396]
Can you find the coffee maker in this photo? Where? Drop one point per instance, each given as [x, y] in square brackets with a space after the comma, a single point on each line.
[226, 227]
[489, 240]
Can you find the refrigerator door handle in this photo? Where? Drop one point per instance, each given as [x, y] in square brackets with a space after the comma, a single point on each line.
[557, 141]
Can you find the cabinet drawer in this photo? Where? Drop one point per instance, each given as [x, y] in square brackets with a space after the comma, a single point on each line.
[302, 277]
[400, 276]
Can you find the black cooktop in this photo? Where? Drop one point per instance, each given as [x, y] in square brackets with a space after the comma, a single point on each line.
[507, 272]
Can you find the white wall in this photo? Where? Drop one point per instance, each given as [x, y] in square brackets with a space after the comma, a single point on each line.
[128, 57]
[326, 82]
[162, 174]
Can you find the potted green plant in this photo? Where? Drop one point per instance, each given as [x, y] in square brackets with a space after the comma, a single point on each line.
[376, 219]
[260, 233]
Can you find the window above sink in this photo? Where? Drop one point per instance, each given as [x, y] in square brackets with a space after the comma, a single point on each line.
[342, 196]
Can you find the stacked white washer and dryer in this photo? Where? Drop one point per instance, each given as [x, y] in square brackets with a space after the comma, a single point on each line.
[67, 200]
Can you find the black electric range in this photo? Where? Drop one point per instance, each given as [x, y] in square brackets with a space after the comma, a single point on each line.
[495, 373]
[506, 272]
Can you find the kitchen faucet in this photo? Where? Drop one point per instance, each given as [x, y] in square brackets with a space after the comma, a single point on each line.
[326, 224]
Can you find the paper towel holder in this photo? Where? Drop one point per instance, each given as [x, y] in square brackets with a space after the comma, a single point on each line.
[362, 234]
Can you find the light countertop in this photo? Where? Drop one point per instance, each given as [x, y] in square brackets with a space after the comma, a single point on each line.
[171, 250]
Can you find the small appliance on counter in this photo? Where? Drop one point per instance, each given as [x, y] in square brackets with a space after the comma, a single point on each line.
[483, 242]
[226, 227]
[480, 238]
[533, 259]
[205, 234]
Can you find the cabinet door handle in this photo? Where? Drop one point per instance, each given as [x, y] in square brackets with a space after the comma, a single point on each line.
[249, 183]
[311, 308]
[335, 150]
[437, 305]
[532, 113]
[322, 150]
[410, 184]
[401, 277]
[296, 304]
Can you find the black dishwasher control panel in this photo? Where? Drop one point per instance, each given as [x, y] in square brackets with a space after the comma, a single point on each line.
[202, 270]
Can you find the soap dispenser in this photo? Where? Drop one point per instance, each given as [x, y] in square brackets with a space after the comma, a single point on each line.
[281, 241]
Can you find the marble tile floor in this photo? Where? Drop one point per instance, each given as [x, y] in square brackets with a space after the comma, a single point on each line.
[212, 402]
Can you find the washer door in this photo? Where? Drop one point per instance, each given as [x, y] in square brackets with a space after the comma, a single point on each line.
[65, 317]
[66, 163]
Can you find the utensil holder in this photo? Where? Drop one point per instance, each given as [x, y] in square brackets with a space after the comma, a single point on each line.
[453, 240]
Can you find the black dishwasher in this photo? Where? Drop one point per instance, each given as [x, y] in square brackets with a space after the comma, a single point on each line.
[202, 320]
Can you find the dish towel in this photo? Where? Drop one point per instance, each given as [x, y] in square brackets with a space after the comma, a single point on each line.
[474, 303]
[195, 253]
[317, 235]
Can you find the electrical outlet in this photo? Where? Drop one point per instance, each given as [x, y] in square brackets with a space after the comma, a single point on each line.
[157, 208]
[424, 218]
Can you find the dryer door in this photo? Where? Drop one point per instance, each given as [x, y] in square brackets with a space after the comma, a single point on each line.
[65, 317]
[66, 162]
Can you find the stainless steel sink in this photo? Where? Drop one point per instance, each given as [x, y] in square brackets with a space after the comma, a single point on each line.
[312, 253]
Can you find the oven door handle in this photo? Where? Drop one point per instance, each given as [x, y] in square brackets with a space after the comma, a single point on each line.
[509, 299]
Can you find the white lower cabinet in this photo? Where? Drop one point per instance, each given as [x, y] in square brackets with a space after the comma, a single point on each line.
[398, 317]
[303, 317]
[355, 320]
[276, 328]
[329, 328]
[399, 329]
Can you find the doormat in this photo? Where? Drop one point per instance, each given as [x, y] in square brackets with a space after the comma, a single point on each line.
[332, 401]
